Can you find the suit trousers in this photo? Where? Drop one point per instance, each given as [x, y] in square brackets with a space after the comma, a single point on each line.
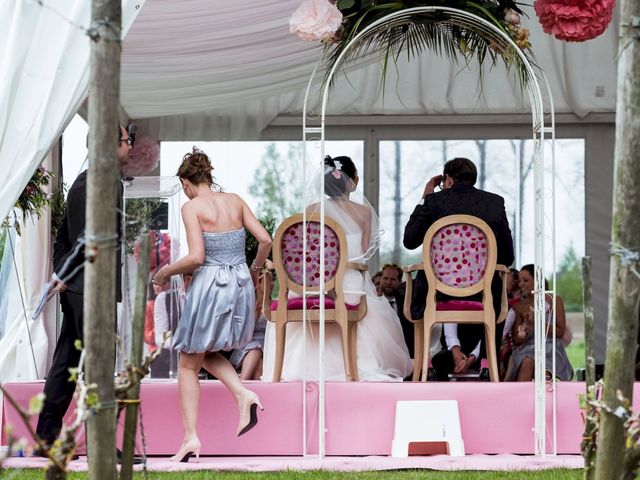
[443, 365]
[58, 389]
[419, 297]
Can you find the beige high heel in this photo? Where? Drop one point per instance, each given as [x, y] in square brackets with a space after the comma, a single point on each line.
[249, 416]
[186, 451]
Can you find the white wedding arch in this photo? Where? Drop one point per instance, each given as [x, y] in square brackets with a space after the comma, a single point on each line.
[543, 133]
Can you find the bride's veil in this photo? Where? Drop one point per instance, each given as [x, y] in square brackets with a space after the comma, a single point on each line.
[347, 205]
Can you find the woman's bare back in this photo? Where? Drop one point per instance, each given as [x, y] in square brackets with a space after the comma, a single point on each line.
[218, 211]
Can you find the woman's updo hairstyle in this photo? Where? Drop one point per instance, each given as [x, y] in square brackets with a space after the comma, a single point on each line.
[196, 168]
[340, 173]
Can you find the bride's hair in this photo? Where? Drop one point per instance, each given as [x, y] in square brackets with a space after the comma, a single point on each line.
[196, 168]
[336, 169]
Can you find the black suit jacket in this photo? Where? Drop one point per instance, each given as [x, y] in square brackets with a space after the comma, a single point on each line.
[69, 242]
[407, 326]
[459, 199]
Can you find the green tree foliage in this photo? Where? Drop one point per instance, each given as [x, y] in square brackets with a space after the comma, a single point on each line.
[251, 244]
[3, 240]
[278, 183]
[569, 278]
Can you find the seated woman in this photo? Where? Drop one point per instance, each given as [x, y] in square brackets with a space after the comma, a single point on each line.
[506, 347]
[382, 351]
[247, 359]
[522, 360]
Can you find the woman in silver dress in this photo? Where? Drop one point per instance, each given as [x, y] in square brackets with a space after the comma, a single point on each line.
[218, 314]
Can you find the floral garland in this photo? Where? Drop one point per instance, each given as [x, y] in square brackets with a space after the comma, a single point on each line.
[336, 23]
[34, 199]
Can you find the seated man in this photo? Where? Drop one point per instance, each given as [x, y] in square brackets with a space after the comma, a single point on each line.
[461, 350]
[459, 196]
[376, 279]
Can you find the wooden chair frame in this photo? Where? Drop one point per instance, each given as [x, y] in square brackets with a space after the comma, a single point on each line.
[422, 326]
[346, 319]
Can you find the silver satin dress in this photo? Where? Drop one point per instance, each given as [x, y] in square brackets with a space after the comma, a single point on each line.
[218, 314]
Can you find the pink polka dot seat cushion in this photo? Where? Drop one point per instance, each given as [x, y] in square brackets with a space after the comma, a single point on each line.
[459, 255]
[293, 253]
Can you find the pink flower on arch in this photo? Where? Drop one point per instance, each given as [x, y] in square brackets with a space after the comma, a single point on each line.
[574, 20]
[512, 17]
[316, 20]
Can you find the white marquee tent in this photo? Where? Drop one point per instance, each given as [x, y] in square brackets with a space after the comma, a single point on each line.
[229, 70]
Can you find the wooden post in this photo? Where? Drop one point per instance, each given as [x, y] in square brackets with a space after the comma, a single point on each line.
[101, 233]
[589, 326]
[589, 438]
[133, 394]
[624, 284]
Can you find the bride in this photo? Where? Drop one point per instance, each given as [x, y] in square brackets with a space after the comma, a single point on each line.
[382, 352]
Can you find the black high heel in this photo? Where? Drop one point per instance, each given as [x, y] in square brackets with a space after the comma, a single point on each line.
[253, 419]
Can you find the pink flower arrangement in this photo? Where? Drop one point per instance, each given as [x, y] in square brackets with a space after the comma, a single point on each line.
[316, 20]
[160, 253]
[143, 157]
[574, 20]
[512, 17]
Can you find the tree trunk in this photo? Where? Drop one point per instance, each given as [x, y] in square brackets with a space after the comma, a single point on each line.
[589, 326]
[523, 174]
[624, 284]
[133, 394]
[102, 233]
[589, 438]
[397, 205]
[445, 152]
[482, 161]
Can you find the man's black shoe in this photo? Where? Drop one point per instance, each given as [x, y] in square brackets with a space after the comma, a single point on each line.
[137, 459]
[39, 451]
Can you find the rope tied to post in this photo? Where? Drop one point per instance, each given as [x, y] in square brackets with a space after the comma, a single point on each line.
[628, 258]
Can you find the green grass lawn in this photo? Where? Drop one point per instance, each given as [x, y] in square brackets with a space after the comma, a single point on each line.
[575, 352]
[556, 474]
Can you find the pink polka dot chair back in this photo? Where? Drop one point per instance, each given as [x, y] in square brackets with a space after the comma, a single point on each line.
[459, 255]
[292, 248]
[296, 305]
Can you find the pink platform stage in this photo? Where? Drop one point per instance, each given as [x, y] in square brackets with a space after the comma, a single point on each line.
[495, 418]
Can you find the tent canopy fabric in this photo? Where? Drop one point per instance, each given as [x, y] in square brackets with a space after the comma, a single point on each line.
[44, 78]
[193, 72]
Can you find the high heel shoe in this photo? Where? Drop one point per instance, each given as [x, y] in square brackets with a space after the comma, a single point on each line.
[185, 453]
[250, 418]
[187, 456]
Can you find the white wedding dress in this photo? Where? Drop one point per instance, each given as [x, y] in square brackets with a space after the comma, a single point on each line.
[382, 352]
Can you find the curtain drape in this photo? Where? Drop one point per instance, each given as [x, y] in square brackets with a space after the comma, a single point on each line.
[44, 75]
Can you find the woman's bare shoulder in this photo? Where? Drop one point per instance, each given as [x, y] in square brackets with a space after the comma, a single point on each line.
[190, 206]
[229, 198]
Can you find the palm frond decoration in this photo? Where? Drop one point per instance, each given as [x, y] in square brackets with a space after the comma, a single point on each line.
[446, 32]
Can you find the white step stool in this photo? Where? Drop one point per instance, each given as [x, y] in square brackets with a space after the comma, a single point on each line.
[425, 421]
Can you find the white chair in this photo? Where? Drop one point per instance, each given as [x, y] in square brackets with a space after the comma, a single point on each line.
[425, 421]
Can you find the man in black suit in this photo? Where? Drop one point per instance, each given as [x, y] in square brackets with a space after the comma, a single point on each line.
[68, 279]
[393, 290]
[459, 196]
